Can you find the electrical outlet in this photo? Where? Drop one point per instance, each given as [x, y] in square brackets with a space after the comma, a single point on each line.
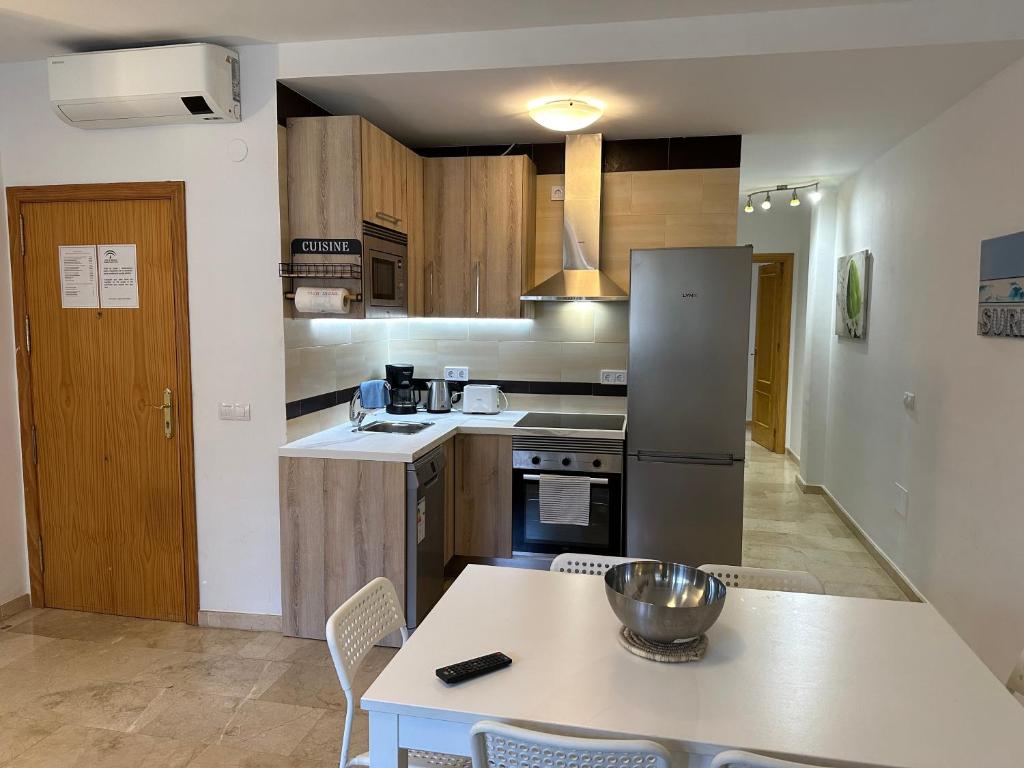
[613, 377]
[902, 501]
[456, 373]
[558, 192]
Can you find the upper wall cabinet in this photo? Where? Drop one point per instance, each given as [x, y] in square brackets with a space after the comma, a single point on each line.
[384, 176]
[343, 171]
[478, 235]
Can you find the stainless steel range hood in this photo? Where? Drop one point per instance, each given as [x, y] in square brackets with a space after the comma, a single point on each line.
[581, 278]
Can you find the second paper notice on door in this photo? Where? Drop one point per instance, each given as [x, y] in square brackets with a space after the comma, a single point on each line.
[119, 276]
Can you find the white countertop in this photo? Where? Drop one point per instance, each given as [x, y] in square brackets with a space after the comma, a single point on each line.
[817, 678]
[341, 442]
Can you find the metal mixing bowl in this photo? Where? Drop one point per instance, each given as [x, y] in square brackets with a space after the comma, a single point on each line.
[664, 602]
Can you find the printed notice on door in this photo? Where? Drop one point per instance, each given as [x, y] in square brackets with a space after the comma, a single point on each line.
[119, 276]
[78, 283]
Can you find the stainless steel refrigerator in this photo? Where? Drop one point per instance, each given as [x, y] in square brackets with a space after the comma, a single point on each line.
[689, 321]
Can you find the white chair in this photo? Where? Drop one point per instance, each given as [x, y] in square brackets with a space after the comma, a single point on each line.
[765, 578]
[496, 745]
[592, 565]
[736, 759]
[1016, 682]
[366, 618]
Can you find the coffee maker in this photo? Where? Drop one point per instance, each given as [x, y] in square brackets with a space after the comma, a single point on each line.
[404, 395]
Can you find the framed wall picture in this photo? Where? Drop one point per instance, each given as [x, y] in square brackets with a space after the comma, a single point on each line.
[1001, 287]
[853, 284]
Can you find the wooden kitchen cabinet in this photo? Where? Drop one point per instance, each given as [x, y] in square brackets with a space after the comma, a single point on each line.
[483, 495]
[501, 228]
[415, 271]
[478, 234]
[343, 171]
[383, 178]
[323, 503]
[446, 236]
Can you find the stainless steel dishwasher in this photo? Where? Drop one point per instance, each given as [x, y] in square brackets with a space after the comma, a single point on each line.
[424, 549]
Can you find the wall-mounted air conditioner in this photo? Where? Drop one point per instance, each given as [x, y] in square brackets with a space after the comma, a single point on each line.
[191, 83]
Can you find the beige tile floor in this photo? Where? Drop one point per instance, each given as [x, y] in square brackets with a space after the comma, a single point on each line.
[82, 690]
[79, 689]
[786, 528]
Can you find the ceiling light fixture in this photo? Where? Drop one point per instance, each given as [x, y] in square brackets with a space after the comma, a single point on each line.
[566, 115]
[766, 204]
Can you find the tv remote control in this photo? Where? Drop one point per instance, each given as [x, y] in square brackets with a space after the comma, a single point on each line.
[466, 670]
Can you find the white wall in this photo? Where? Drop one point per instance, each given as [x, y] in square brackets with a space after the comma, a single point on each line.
[784, 229]
[234, 306]
[13, 555]
[922, 209]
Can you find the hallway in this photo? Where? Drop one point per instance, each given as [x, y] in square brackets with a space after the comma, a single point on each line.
[786, 528]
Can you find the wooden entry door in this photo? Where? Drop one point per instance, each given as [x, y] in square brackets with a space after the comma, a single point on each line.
[106, 398]
[771, 350]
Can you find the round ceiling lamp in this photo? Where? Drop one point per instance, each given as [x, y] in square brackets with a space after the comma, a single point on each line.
[566, 115]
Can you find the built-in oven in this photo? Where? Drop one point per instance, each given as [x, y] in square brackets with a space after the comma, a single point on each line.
[597, 529]
[384, 266]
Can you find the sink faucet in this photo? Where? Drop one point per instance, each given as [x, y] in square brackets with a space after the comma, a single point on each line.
[359, 421]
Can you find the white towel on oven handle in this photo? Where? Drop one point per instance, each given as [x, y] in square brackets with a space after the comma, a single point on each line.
[564, 499]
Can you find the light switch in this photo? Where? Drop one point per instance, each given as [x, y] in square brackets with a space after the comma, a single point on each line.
[557, 192]
[234, 412]
[902, 501]
[909, 401]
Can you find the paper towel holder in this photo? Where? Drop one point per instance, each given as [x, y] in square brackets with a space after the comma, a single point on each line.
[321, 272]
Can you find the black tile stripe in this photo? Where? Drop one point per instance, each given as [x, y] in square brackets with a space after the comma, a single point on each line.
[327, 400]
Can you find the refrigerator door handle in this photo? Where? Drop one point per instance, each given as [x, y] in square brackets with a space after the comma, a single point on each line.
[714, 459]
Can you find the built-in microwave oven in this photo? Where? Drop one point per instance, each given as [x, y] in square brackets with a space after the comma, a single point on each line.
[384, 268]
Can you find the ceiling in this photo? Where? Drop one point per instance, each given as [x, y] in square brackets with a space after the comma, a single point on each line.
[35, 29]
[806, 115]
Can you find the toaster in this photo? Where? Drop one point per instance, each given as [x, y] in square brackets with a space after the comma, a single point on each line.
[482, 398]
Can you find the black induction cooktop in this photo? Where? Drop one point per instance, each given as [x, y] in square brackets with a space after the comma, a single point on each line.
[572, 420]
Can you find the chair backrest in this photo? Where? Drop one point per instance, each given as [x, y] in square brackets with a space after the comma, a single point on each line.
[765, 578]
[1016, 682]
[362, 621]
[496, 745]
[737, 759]
[592, 565]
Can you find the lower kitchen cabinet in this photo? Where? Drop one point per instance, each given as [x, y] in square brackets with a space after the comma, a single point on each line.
[483, 495]
[342, 525]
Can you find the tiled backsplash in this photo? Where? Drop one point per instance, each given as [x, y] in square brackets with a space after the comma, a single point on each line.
[571, 341]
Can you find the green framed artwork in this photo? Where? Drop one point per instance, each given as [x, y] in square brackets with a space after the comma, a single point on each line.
[853, 284]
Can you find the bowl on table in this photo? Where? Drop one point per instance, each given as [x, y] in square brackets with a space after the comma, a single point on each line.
[664, 602]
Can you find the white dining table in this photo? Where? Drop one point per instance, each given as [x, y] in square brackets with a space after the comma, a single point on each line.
[835, 681]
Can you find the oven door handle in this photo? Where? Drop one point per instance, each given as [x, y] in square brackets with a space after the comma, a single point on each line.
[593, 480]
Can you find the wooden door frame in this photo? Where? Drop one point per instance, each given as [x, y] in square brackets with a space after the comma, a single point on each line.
[786, 262]
[174, 192]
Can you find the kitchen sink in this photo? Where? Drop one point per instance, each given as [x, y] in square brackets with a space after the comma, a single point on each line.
[397, 427]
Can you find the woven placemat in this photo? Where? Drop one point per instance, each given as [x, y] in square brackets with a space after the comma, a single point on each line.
[672, 653]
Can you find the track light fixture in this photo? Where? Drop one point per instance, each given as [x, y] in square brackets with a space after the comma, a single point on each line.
[766, 204]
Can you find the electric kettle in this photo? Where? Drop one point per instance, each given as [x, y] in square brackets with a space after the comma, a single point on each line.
[438, 397]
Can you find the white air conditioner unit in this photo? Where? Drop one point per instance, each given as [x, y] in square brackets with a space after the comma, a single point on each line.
[191, 83]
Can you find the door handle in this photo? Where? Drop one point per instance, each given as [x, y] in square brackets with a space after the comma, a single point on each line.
[387, 217]
[593, 480]
[168, 408]
[476, 278]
